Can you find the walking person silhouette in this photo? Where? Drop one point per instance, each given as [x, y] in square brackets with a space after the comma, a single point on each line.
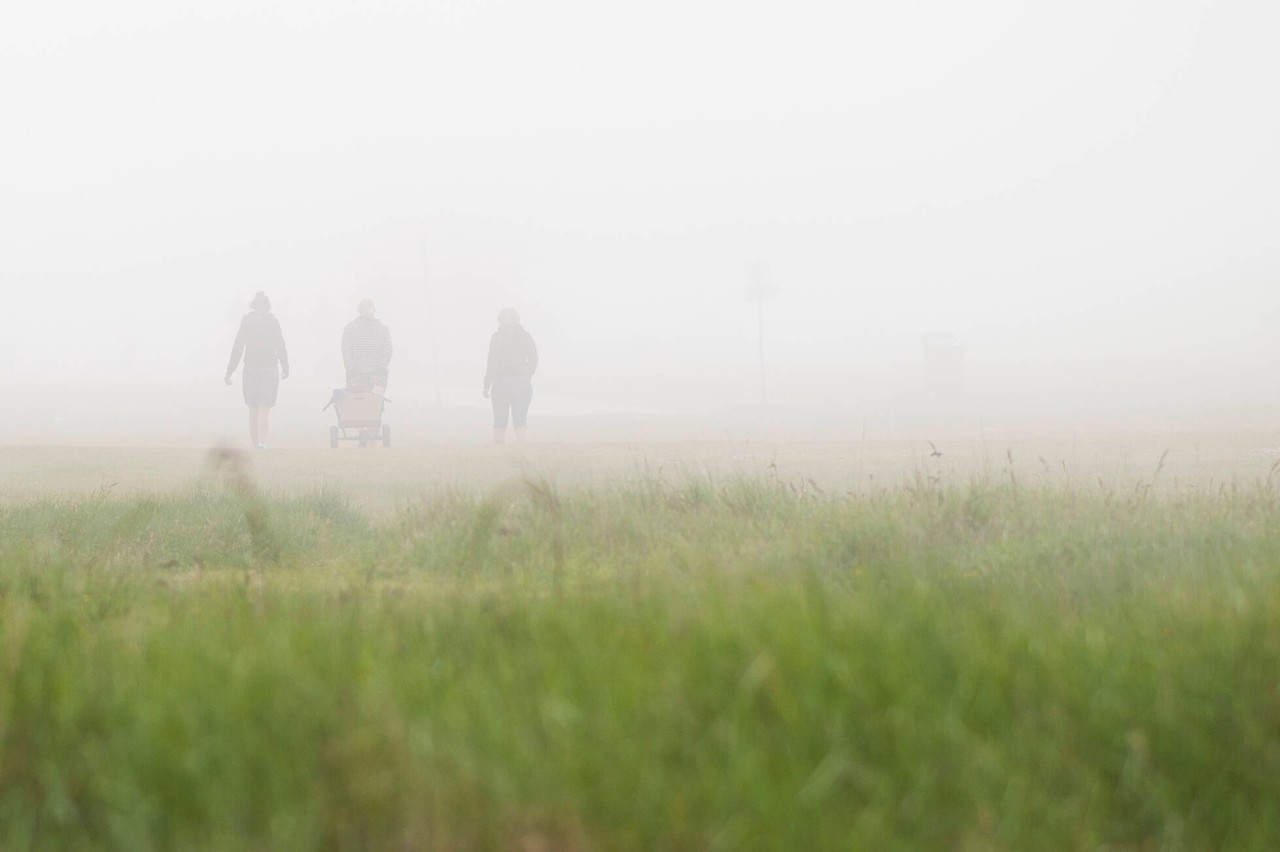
[266, 361]
[513, 358]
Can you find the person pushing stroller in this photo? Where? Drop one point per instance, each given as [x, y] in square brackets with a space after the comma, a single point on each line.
[366, 350]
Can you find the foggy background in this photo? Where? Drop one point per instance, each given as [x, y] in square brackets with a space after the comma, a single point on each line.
[1084, 195]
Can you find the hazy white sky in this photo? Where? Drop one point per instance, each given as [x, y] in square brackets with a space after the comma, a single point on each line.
[1064, 185]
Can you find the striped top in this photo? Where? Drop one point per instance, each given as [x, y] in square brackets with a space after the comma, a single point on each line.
[366, 347]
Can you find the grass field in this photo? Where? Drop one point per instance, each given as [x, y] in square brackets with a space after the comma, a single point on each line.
[627, 657]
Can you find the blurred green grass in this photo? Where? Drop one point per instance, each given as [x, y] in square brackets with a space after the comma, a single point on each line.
[736, 664]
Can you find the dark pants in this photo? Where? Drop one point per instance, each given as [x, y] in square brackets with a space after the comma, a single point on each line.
[511, 396]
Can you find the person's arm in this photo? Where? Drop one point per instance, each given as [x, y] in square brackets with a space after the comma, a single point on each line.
[386, 347]
[282, 352]
[348, 351]
[488, 369]
[531, 356]
[237, 351]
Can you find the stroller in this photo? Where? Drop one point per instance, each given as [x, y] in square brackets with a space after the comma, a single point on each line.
[359, 408]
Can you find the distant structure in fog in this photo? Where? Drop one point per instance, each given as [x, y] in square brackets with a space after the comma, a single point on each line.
[943, 365]
[759, 288]
[430, 322]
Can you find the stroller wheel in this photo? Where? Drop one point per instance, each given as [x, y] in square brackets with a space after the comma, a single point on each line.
[333, 437]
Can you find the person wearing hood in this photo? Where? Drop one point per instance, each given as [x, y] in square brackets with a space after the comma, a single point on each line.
[366, 349]
[513, 358]
[266, 361]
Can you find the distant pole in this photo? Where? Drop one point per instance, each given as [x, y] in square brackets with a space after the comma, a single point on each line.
[760, 339]
[431, 322]
[759, 288]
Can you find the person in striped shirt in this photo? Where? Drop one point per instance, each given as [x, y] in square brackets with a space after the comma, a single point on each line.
[366, 349]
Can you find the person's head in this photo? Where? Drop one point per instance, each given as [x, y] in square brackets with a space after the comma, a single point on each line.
[508, 317]
[365, 308]
[260, 302]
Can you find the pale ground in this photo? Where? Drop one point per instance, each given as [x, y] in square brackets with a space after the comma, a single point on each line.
[72, 440]
[1193, 459]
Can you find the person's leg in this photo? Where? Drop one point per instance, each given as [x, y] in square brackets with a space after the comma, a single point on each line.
[268, 388]
[501, 396]
[520, 400]
[264, 424]
[249, 388]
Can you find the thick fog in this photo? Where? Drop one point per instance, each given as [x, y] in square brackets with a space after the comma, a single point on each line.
[1075, 200]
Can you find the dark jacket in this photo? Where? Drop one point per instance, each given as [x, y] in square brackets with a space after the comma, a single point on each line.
[366, 347]
[512, 355]
[260, 341]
